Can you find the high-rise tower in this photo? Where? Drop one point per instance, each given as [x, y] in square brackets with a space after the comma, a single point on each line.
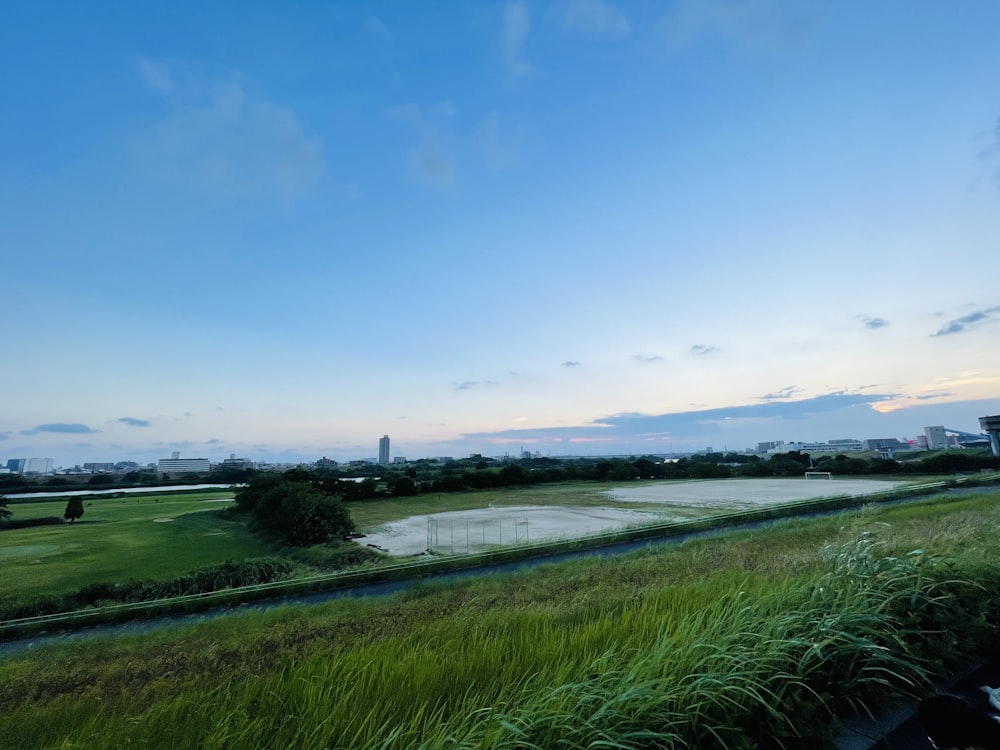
[383, 449]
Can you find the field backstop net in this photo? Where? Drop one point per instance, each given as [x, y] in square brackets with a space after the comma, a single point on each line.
[445, 537]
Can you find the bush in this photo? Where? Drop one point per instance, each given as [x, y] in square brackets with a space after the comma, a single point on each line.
[25, 523]
[205, 580]
[335, 556]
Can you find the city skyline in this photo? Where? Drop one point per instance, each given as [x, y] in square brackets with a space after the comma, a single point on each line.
[579, 226]
[930, 437]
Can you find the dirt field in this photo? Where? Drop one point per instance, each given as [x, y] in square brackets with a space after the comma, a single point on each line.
[741, 493]
[460, 532]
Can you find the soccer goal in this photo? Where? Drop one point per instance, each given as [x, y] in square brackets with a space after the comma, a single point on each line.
[819, 474]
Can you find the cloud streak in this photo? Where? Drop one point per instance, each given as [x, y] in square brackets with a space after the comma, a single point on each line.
[65, 428]
[133, 422]
[964, 323]
[699, 350]
[785, 393]
[872, 323]
[468, 385]
[647, 359]
[682, 425]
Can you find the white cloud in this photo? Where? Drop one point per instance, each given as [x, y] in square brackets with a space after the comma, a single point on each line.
[431, 161]
[753, 24]
[516, 25]
[156, 75]
[598, 18]
[223, 137]
[500, 143]
[376, 28]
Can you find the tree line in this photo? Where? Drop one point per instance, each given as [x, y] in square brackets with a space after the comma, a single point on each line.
[478, 473]
[460, 476]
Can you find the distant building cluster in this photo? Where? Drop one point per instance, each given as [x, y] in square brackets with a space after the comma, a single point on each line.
[935, 437]
[29, 465]
[175, 465]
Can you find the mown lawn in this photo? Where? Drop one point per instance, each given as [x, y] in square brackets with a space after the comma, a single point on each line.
[119, 539]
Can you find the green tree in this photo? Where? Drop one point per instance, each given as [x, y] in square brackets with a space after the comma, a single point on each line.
[756, 468]
[293, 509]
[514, 474]
[4, 510]
[403, 486]
[74, 509]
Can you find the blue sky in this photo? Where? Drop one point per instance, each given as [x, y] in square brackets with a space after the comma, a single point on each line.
[580, 226]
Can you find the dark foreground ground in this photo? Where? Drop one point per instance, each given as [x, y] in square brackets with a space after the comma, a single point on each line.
[900, 729]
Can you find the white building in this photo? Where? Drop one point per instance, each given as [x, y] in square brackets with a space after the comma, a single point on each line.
[182, 465]
[38, 466]
[832, 446]
[30, 465]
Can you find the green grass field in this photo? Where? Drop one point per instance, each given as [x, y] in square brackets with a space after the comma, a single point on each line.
[158, 536]
[118, 539]
[717, 642]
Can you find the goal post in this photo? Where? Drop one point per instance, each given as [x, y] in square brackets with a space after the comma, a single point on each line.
[819, 474]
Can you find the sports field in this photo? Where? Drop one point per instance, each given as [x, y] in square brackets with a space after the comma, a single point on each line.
[118, 539]
[556, 515]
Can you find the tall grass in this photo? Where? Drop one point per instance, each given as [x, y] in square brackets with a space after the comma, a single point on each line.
[736, 662]
[751, 639]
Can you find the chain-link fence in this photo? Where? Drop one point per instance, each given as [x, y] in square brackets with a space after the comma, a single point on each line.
[463, 537]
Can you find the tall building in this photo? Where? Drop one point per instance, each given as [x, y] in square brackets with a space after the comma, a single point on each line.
[937, 438]
[383, 449]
